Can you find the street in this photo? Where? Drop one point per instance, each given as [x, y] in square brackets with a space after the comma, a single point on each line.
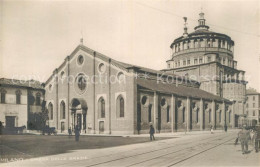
[201, 149]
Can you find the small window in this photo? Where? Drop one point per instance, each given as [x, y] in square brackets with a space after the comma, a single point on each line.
[50, 87]
[144, 100]
[200, 60]
[209, 116]
[253, 113]
[197, 116]
[38, 99]
[209, 59]
[183, 115]
[168, 114]
[18, 97]
[121, 77]
[62, 74]
[195, 61]
[163, 102]
[101, 107]
[184, 63]
[50, 110]
[3, 93]
[62, 110]
[229, 117]
[220, 112]
[188, 62]
[101, 68]
[80, 59]
[150, 113]
[254, 98]
[120, 106]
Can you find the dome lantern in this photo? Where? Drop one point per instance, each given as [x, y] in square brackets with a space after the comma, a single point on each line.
[202, 23]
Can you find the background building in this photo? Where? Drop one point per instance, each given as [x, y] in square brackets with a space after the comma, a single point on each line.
[252, 106]
[20, 103]
[208, 57]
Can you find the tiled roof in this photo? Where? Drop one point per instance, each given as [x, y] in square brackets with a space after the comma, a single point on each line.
[21, 83]
[177, 89]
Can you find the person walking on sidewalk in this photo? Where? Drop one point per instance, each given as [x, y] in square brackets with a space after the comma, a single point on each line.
[151, 133]
[257, 138]
[244, 137]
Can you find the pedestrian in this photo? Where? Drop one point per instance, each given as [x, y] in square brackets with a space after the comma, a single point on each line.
[225, 128]
[69, 131]
[252, 137]
[244, 137]
[77, 133]
[211, 130]
[257, 137]
[151, 132]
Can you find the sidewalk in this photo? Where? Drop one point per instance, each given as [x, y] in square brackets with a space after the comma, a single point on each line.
[171, 134]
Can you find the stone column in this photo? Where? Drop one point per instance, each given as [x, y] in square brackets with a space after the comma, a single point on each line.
[172, 113]
[223, 114]
[82, 123]
[201, 114]
[155, 110]
[188, 114]
[213, 116]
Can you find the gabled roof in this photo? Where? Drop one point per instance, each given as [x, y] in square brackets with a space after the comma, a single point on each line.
[179, 90]
[122, 65]
[21, 83]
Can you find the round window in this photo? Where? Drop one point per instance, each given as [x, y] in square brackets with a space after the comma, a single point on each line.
[50, 87]
[120, 77]
[80, 59]
[144, 100]
[101, 67]
[62, 74]
[81, 82]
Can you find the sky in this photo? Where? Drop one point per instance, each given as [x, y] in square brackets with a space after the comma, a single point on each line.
[36, 36]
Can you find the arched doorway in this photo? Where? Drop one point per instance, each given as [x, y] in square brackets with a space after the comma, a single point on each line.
[78, 108]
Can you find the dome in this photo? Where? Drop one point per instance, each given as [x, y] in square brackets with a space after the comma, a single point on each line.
[201, 46]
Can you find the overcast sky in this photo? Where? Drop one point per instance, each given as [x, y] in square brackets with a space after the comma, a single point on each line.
[36, 36]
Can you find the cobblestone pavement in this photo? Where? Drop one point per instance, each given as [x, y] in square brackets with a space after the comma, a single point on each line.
[205, 149]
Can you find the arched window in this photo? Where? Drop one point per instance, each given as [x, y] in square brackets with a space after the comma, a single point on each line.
[120, 106]
[18, 96]
[150, 113]
[62, 110]
[229, 116]
[168, 114]
[220, 112]
[101, 107]
[209, 116]
[38, 98]
[50, 109]
[197, 116]
[3, 93]
[183, 114]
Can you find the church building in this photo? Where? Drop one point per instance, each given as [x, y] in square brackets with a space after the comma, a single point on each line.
[104, 96]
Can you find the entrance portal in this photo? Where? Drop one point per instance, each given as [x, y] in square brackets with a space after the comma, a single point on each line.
[79, 113]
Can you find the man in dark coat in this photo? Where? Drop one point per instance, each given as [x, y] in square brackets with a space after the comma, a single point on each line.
[257, 138]
[244, 137]
[77, 133]
[151, 132]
